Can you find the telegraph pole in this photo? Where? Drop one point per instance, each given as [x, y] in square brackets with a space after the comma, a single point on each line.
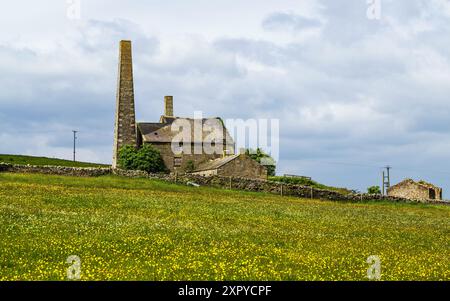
[74, 144]
[386, 179]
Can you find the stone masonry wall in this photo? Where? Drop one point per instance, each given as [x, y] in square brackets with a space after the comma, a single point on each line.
[125, 123]
[244, 166]
[167, 155]
[56, 170]
[409, 190]
[412, 190]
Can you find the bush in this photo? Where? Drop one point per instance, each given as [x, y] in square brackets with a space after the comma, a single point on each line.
[126, 157]
[294, 181]
[374, 190]
[147, 158]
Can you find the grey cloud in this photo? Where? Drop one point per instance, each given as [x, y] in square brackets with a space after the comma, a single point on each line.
[47, 95]
[100, 36]
[261, 51]
[347, 22]
[363, 92]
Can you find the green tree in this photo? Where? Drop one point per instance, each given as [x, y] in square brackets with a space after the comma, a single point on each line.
[126, 157]
[147, 158]
[374, 190]
[263, 159]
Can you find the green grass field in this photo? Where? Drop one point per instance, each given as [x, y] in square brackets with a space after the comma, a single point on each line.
[137, 229]
[39, 161]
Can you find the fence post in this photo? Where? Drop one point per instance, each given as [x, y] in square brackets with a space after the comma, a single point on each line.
[312, 193]
[281, 190]
[231, 182]
[176, 176]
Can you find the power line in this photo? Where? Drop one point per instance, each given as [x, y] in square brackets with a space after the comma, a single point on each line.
[376, 166]
[342, 163]
[422, 170]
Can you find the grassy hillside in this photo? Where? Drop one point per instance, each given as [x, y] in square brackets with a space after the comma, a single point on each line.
[24, 160]
[125, 229]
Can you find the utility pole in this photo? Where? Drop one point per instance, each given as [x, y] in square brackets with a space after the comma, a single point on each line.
[386, 179]
[74, 144]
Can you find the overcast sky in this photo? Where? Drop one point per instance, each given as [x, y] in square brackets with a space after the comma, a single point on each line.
[352, 94]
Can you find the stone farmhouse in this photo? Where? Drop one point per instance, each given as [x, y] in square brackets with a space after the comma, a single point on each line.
[411, 189]
[160, 135]
[192, 149]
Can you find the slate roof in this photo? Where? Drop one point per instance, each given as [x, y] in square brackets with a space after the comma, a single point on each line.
[162, 132]
[149, 127]
[215, 164]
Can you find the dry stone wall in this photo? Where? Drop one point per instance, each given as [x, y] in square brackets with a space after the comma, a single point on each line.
[286, 189]
[56, 170]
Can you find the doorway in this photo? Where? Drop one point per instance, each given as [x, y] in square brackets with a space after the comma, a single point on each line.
[432, 194]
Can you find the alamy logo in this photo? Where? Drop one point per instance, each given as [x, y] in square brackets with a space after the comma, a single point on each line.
[74, 271]
[374, 270]
[374, 9]
[73, 11]
[213, 136]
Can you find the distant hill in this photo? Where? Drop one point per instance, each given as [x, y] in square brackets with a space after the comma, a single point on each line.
[24, 160]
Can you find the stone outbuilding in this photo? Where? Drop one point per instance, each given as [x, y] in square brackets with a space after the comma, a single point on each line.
[420, 190]
[233, 166]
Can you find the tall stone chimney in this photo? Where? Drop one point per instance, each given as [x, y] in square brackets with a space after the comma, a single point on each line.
[125, 124]
[168, 106]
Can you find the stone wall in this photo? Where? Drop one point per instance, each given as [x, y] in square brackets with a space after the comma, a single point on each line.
[415, 190]
[56, 170]
[168, 156]
[409, 190]
[237, 183]
[244, 166]
[284, 189]
[143, 174]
